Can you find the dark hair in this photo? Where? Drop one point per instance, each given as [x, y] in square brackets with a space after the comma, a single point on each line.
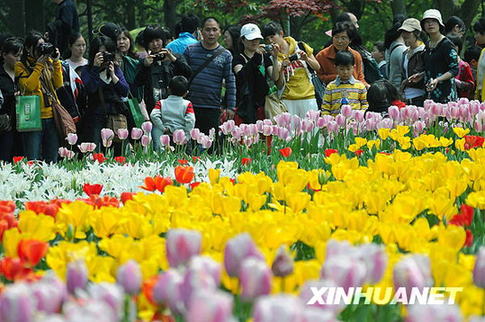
[344, 58]
[189, 23]
[178, 85]
[31, 42]
[235, 32]
[271, 29]
[346, 27]
[479, 26]
[177, 29]
[210, 18]
[126, 33]
[343, 17]
[99, 42]
[392, 34]
[73, 38]
[153, 32]
[393, 93]
[11, 45]
[110, 30]
[472, 53]
[452, 22]
[380, 95]
[3, 37]
[380, 46]
[457, 41]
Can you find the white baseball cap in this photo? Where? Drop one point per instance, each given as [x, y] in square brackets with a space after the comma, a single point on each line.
[250, 31]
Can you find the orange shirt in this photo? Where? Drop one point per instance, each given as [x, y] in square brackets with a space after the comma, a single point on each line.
[328, 71]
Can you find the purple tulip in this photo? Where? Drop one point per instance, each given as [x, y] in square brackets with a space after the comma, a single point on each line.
[346, 111]
[107, 136]
[479, 269]
[145, 140]
[165, 140]
[283, 264]
[358, 115]
[71, 138]
[281, 308]
[345, 271]
[283, 120]
[207, 264]
[340, 119]
[17, 304]
[284, 134]
[136, 133]
[413, 271]
[122, 134]
[237, 250]
[147, 127]
[181, 245]
[260, 124]
[179, 137]
[86, 147]
[434, 312]
[312, 115]
[393, 112]
[168, 290]
[375, 259]
[307, 296]
[109, 293]
[77, 276]
[49, 292]
[206, 306]
[255, 278]
[129, 277]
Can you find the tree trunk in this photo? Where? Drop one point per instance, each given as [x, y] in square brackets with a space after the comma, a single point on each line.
[170, 13]
[398, 8]
[466, 11]
[131, 19]
[15, 17]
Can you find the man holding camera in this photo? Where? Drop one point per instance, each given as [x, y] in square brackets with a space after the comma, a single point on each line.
[159, 66]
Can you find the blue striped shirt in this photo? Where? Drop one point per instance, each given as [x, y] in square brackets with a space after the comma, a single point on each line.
[205, 89]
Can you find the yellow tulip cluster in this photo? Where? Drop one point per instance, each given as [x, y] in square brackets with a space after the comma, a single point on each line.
[389, 200]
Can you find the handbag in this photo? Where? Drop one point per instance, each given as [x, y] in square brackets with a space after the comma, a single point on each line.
[27, 109]
[116, 121]
[273, 105]
[317, 83]
[135, 110]
[64, 121]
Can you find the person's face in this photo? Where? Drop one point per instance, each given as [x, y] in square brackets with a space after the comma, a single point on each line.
[123, 43]
[431, 26]
[377, 55]
[10, 59]
[409, 38]
[458, 31]
[275, 39]
[78, 48]
[480, 38]
[354, 21]
[211, 32]
[155, 45]
[341, 40]
[34, 52]
[228, 40]
[251, 45]
[345, 72]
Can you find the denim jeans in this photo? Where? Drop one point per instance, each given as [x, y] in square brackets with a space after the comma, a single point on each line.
[42, 145]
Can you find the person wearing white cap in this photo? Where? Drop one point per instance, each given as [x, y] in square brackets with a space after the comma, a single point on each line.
[251, 67]
[413, 92]
[440, 59]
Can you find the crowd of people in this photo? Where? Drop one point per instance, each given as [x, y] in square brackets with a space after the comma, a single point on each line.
[191, 80]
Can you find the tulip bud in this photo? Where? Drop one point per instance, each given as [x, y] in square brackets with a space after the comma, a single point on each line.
[109, 293]
[136, 133]
[210, 306]
[179, 137]
[340, 119]
[122, 134]
[307, 126]
[283, 263]
[267, 130]
[227, 127]
[346, 111]
[332, 127]
[208, 265]
[393, 112]
[345, 271]
[358, 115]
[129, 277]
[434, 312]
[206, 142]
[237, 250]
[165, 140]
[87, 147]
[375, 259]
[147, 127]
[194, 134]
[145, 140]
[181, 245]
[278, 308]
[17, 304]
[479, 269]
[71, 138]
[413, 271]
[49, 292]
[77, 276]
[107, 136]
[168, 289]
[255, 278]
[194, 281]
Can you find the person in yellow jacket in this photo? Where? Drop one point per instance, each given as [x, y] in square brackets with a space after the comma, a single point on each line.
[39, 73]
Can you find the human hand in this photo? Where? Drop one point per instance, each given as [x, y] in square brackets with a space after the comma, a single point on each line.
[148, 61]
[415, 78]
[432, 85]
[56, 55]
[98, 59]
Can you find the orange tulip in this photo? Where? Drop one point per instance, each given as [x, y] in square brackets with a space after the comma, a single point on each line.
[184, 174]
[13, 268]
[32, 251]
[162, 182]
[286, 152]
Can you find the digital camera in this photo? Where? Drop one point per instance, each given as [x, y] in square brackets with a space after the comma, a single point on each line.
[268, 48]
[158, 57]
[294, 57]
[108, 57]
[47, 49]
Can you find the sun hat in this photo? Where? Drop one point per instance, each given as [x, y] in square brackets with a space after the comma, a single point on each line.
[411, 25]
[250, 31]
[433, 14]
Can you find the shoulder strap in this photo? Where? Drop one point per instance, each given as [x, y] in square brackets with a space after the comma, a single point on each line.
[206, 63]
[301, 45]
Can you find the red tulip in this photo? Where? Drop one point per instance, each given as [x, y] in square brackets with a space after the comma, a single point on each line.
[183, 161]
[194, 184]
[184, 174]
[32, 251]
[473, 141]
[286, 152]
[125, 196]
[17, 159]
[120, 160]
[469, 238]
[245, 161]
[156, 183]
[464, 218]
[13, 268]
[99, 157]
[329, 152]
[7, 206]
[358, 152]
[195, 159]
[92, 189]
[42, 207]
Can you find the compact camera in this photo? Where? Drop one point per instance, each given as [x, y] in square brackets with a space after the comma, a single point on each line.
[47, 49]
[158, 57]
[108, 57]
[294, 57]
[268, 48]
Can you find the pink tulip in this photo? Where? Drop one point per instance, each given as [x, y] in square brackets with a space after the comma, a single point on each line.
[283, 264]
[283, 120]
[312, 314]
[436, 109]
[145, 140]
[107, 136]
[237, 250]
[345, 271]
[237, 133]
[255, 278]
[227, 127]
[71, 138]
[147, 127]
[346, 111]
[384, 124]
[321, 122]
[474, 107]
[207, 264]
[370, 124]
[283, 133]
[312, 115]
[307, 296]
[136, 133]
[267, 130]
[281, 308]
[253, 130]
[259, 125]
[418, 127]
[165, 140]
[110, 294]
[88, 310]
[433, 312]
[17, 304]
[207, 306]
[479, 269]
[340, 119]
[66, 153]
[332, 127]
[168, 290]
[307, 126]
[194, 281]
[181, 245]
[375, 259]
[194, 134]
[129, 277]
[86, 147]
[338, 248]
[358, 115]
[206, 142]
[267, 122]
[122, 134]
[49, 293]
[77, 276]
[413, 271]
[179, 137]
[393, 113]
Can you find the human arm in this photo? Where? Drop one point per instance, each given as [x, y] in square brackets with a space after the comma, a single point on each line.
[120, 84]
[29, 81]
[156, 117]
[189, 118]
[451, 59]
[230, 86]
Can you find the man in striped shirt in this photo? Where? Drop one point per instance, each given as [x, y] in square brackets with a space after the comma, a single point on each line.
[345, 89]
[206, 85]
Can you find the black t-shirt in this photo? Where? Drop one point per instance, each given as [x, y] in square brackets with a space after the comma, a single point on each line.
[242, 59]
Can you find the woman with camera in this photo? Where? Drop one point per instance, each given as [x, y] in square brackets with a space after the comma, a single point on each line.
[40, 73]
[106, 86]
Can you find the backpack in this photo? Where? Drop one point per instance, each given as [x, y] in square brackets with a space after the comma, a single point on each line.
[372, 72]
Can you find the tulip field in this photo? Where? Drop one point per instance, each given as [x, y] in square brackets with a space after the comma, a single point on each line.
[252, 222]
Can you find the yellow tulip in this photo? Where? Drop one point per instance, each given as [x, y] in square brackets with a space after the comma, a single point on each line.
[460, 132]
[214, 175]
[37, 227]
